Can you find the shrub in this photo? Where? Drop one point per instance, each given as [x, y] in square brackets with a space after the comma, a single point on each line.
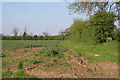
[97, 28]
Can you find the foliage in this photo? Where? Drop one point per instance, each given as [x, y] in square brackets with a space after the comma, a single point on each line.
[90, 7]
[98, 28]
[103, 25]
[35, 37]
[80, 31]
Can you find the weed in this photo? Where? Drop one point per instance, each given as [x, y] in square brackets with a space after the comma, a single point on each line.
[20, 65]
[67, 64]
[69, 58]
[35, 61]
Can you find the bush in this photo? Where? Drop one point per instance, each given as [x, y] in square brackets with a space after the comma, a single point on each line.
[97, 28]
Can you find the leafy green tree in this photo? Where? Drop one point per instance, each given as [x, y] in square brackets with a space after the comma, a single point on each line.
[97, 28]
[103, 24]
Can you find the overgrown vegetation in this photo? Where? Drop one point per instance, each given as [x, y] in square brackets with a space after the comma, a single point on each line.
[51, 51]
[98, 28]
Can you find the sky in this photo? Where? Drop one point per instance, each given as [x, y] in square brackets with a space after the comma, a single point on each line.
[38, 17]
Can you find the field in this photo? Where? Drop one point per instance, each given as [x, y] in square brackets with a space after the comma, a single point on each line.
[59, 59]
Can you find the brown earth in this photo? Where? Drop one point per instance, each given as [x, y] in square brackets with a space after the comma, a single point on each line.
[79, 67]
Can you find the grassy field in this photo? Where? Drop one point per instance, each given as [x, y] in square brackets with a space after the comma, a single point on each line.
[55, 59]
[16, 44]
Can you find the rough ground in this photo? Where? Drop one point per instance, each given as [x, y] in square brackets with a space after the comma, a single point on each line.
[78, 68]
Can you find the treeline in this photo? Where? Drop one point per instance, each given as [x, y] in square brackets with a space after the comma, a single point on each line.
[63, 35]
[98, 28]
[58, 37]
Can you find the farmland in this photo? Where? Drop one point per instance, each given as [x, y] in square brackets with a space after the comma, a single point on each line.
[59, 59]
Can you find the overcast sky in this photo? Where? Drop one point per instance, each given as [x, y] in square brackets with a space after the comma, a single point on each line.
[38, 17]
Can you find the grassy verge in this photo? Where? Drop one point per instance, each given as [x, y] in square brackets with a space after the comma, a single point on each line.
[95, 52]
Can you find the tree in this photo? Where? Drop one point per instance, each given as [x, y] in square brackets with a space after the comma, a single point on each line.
[67, 32]
[15, 31]
[35, 37]
[46, 34]
[90, 7]
[25, 32]
[61, 33]
[81, 31]
[97, 28]
[103, 24]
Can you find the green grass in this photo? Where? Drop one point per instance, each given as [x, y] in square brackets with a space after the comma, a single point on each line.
[103, 49]
[19, 74]
[67, 64]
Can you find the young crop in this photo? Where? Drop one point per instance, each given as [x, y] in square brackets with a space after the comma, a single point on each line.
[51, 51]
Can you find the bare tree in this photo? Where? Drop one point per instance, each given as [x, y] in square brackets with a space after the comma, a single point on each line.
[90, 7]
[25, 32]
[61, 33]
[15, 31]
[46, 34]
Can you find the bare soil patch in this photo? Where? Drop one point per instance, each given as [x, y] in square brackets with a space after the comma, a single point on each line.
[29, 49]
[78, 47]
[116, 53]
